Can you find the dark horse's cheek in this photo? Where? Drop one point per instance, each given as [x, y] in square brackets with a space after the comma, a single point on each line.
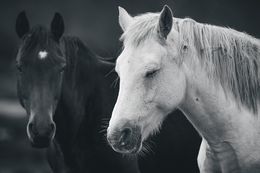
[22, 94]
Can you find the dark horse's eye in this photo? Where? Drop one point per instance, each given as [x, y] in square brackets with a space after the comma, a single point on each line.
[151, 73]
[62, 68]
[19, 68]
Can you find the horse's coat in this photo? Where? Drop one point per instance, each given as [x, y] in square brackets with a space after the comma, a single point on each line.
[63, 84]
[210, 73]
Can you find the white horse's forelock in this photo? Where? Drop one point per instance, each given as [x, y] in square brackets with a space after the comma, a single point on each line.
[229, 56]
[143, 27]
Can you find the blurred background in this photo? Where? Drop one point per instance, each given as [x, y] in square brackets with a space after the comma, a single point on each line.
[96, 23]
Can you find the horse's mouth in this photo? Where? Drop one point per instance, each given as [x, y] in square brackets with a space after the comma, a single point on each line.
[41, 142]
[131, 146]
[130, 149]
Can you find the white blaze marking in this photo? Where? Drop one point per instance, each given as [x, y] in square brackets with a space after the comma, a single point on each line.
[43, 54]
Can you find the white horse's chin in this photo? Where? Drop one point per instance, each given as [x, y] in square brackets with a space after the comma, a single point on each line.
[152, 127]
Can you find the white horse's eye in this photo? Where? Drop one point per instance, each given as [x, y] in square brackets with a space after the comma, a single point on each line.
[151, 74]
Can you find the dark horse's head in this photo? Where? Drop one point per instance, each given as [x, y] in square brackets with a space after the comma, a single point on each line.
[40, 65]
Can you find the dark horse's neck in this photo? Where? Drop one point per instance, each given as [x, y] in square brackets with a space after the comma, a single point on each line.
[86, 102]
[83, 101]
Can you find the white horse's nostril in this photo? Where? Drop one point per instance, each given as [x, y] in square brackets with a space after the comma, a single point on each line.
[125, 136]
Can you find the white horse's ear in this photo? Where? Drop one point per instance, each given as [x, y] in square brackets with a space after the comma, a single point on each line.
[124, 18]
[165, 22]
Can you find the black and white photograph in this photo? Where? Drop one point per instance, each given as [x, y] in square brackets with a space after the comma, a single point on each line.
[129, 86]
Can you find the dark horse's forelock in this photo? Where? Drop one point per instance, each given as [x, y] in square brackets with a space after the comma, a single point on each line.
[39, 38]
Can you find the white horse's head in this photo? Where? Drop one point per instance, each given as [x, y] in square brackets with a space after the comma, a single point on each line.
[152, 80]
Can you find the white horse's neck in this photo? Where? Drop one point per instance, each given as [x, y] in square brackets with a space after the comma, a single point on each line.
[216, 115]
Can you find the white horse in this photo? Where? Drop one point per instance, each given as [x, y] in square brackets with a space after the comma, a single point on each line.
[210, 73]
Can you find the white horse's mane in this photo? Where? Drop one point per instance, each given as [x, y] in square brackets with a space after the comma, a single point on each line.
[143, 27]
[229, 56]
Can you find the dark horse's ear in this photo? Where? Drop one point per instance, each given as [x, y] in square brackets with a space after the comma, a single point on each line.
[22, 24]
[57, 26]
[165, 22]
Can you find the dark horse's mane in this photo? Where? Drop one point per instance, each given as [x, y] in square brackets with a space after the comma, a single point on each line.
[81, 62]
[80, 65]
[80, 57]
[75, 49]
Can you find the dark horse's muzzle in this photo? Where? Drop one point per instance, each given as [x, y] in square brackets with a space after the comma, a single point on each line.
[126, 140]
[41, 133]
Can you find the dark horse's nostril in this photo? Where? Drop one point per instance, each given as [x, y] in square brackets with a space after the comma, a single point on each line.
[32, 129]
[52, 126]
[125, 136]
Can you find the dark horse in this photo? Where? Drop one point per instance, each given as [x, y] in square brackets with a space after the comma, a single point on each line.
[67, 91]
